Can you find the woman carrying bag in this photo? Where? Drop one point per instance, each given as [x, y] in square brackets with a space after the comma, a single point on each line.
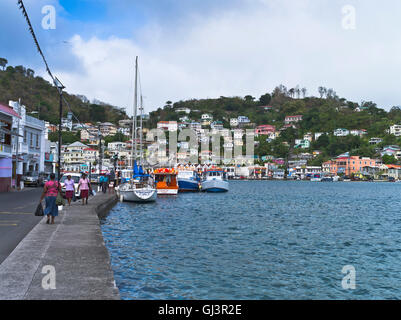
[50, 193]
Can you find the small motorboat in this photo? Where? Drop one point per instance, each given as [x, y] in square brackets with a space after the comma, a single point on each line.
[215, 181]
[188, 181]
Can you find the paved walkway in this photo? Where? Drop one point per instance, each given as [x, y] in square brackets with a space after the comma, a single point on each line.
[17, 218]
[74, 246]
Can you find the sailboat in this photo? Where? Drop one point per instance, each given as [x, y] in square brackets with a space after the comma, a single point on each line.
[141, 188]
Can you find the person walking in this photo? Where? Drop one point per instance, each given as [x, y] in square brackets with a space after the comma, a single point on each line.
[69, 189]
[84, 186]
[50, 192]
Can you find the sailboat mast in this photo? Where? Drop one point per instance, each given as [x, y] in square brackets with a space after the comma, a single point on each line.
[141, 134]
[135, 109]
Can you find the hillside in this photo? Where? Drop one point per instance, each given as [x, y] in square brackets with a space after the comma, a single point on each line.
[39, 95]
[320, 114]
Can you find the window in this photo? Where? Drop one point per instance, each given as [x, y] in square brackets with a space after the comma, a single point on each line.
[31, 139]
[37, 141]
[25, 135]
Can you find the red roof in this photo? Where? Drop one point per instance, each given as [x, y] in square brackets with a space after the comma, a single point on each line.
[9, 111]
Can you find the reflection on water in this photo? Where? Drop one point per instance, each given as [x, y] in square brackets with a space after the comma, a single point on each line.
[262, 240]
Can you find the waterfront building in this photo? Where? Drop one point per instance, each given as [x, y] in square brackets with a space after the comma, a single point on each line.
[29, 145]
[293, 119]
[303, 172]
[7, 115]
[348, 165]
[393, 171]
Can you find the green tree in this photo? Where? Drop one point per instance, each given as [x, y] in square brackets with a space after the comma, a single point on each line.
[265, 99]
[3, 63]
[389, 159]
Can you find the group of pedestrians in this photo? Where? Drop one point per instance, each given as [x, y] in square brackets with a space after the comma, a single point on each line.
[53, 188]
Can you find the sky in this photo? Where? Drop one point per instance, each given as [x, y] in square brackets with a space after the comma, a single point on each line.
[211, 48]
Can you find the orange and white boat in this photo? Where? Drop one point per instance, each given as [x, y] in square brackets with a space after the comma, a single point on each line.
[166, 181]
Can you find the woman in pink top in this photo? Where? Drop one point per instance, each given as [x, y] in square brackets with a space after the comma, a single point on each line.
[84, 186]
[50, 192]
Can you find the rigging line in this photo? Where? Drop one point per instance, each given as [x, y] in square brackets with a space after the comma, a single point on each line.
[25, 14]
[31, 30]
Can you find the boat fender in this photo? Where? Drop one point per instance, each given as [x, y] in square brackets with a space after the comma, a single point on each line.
[121, 198]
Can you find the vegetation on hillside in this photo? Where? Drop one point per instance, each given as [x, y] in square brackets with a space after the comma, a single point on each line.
[320, 114]
[38, 95]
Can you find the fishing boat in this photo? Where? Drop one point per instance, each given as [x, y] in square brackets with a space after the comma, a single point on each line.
[141, 187]
[316, 178]
[188, 180]
[215, 181]
[166, 181]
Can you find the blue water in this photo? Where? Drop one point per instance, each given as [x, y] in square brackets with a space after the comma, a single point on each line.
[261, 240]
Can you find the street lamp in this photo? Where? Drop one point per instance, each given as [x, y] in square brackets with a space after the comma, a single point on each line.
[60, 88]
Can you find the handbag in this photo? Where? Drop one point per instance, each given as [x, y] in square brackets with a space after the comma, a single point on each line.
[39, 210]
[60, 200]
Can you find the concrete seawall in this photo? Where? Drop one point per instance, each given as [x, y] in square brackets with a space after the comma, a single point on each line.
[74, 246]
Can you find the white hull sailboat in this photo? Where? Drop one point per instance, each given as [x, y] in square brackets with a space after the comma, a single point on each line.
[141, 187]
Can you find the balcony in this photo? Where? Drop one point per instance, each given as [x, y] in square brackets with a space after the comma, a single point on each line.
[5, 149]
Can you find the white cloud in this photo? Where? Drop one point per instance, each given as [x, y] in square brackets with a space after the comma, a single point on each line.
[246, 50]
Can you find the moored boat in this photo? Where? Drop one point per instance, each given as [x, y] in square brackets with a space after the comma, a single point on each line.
[215, 181]
[188, 180]
[166, 181]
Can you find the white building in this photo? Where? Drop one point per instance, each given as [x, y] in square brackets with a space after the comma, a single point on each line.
[183, 110]
[341, 132]
[168, 125]
[30, 145]
[234, 122]
[396, 130]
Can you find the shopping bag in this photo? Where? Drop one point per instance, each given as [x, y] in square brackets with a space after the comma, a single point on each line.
[39, 210]
[60, 200]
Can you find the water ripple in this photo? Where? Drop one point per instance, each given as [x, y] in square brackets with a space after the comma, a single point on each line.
[262, 240]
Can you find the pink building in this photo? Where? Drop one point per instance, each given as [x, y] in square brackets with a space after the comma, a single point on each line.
[265, 130]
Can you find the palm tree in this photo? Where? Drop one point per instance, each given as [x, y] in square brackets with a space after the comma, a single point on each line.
[298, 91]
[304, 90]
[291, 92]
[321, 91]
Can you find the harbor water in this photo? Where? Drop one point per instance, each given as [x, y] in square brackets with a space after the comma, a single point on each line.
[261, 240]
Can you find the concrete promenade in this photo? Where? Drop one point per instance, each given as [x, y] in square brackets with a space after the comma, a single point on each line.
[74, 246]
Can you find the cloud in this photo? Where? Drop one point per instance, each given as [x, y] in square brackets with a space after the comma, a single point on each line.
[247, 48]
